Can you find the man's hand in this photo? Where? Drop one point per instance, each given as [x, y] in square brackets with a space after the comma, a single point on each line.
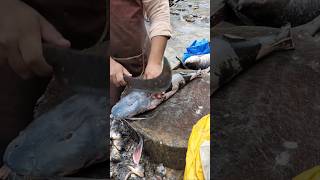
[117, 71]
[154, 67]
[21, 32]
[152, 70]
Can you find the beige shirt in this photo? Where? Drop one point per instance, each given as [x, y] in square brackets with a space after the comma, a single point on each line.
[158, 12]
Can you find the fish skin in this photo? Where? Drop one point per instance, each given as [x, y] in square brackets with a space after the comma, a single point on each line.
[275, 13]
[63, 140]
[232, 55]
[198, 62]
[136, 102]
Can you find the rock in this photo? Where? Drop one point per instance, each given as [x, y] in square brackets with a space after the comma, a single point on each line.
[275, 102]
[189, 18]
[166, 133]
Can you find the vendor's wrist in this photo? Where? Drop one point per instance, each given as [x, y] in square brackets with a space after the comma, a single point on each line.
[155, 61]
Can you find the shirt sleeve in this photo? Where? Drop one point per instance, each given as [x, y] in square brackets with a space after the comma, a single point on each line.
[158, 12]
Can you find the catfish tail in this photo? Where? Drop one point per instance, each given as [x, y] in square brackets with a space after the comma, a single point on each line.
[282, 42]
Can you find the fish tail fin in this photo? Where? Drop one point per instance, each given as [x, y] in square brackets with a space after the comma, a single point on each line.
[284, 39]
[282, 42]
[200, 73]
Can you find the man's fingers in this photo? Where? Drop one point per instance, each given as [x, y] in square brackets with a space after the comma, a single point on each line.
[16, 62]
[31, 51]
[114, 81]
[51, 35]
[120, 79]
[126, 72]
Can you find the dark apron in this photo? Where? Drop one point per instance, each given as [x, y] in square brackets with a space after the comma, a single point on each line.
[129, 40]
[82, 22]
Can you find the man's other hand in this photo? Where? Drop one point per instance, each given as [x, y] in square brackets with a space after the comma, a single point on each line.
[117, 72]
[22, 30]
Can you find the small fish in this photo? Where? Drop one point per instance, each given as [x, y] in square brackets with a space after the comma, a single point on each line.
[198, 62]
[136, 169]
[233, 54]
[136, 102]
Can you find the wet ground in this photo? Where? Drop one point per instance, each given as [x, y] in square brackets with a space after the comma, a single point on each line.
[190, 21]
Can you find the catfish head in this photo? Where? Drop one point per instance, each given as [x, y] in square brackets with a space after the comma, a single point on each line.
[139, 97]
[132, 104]
[63, 140]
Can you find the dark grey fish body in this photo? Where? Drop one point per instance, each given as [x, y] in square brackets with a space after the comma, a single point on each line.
[232, 55]
[138, 101]
[62, 141]
[275, 13]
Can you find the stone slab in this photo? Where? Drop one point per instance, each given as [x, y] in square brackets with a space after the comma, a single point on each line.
[167, 132]
[266, 120]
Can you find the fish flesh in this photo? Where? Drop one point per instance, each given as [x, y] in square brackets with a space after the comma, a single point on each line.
[275, 13]
[63, 140]
[136, 102]
[233, 54]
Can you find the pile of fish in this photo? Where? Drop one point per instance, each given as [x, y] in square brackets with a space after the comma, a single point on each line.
[126, 145]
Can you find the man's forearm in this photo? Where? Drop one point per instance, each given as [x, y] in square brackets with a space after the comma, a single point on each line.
[158, 46]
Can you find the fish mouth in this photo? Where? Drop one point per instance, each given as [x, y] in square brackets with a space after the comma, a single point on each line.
[130, 105]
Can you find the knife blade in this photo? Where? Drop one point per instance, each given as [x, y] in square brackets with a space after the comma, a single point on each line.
[82, 71]
[155, 85]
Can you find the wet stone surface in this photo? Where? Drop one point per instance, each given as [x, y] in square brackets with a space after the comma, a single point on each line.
[167, 132]
[266, 120]
[190, 20]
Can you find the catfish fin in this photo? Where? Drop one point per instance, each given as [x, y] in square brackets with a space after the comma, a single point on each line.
[233, 38]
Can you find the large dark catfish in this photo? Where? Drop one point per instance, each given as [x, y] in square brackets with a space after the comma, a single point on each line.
[68, 137]
[135, 102]
[233, 54]
[275, 13]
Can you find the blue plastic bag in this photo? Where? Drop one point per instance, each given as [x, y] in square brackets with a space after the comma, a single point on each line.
[198, 47]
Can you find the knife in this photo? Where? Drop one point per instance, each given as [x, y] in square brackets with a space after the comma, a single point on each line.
[155, 85]
[83, 72]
